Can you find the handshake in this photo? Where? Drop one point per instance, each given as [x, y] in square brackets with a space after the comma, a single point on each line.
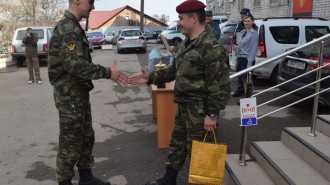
[123, 79]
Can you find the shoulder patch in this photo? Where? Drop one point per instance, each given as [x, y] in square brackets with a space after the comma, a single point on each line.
[71, 47]
[253, 30]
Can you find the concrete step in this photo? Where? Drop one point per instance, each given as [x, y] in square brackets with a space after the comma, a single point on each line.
[314, 150]
[283, 165]
[252, 174]
[323, 124]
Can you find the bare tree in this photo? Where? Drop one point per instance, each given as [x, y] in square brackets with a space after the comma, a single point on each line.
[29, 13]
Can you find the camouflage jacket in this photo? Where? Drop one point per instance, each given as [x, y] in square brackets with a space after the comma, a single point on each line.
[200, 72]
[31, 49]
[70, 67]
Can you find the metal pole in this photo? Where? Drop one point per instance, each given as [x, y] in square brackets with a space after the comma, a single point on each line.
[317, 89]
[142, 16]
[242, 152]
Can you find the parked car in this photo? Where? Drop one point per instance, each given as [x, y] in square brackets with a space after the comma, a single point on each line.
[97, 38]
[109, 37]
[18, 48]
[173, 34]
[90, 45]
[147, 34]
[301, 62]
[114, 39]
[131, 39]
[156, 33]
[276, 35]
[227, 31]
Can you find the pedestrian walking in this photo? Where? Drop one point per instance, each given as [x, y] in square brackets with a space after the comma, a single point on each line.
[215, 27]
[240, 27]
[31, 55]
[201, 89]
[247, 47]
[70, 71]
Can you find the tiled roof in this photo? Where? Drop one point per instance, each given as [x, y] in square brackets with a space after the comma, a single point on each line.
[99, 18]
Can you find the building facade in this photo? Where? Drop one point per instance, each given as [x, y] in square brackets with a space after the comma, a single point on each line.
[267, 8]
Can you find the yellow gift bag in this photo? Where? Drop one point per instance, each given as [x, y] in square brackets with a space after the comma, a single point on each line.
[207, 163]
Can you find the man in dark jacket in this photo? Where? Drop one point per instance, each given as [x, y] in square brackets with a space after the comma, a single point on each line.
[31, 54]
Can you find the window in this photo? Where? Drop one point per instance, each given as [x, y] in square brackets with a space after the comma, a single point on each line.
[313, 32]
[22, 33]
[285, 34]
[257, 3]
[229, 28]
[271, 2]
[131, 33]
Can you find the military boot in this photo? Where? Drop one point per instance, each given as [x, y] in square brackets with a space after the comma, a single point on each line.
[66, 182]
[87, 178]
[168, 179]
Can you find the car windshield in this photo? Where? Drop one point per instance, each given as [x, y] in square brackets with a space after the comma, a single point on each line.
[230, 28]
[22, 33]
[95, 34]
[173, 26]
[131, 33]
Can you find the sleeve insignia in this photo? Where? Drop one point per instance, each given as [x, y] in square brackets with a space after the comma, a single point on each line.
[71, 47]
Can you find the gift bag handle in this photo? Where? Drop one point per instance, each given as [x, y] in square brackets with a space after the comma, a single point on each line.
[215, 140]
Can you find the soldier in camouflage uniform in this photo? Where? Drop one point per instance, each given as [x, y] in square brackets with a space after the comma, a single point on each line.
[70, 71]
[201, 89]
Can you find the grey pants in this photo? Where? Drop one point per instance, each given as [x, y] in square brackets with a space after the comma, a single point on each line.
[33, 64]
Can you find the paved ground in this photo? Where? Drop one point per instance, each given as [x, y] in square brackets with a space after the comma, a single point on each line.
[126, 135]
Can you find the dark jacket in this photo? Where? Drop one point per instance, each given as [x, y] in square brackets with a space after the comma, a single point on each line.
[31, 49]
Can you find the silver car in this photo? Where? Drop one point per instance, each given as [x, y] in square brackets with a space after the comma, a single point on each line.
[18, 53]
[131, 39]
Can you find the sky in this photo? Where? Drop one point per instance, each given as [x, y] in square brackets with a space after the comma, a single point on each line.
[151, 7]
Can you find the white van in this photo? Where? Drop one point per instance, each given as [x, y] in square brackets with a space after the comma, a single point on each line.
[173, 34]
[18, 48]
[278, 35]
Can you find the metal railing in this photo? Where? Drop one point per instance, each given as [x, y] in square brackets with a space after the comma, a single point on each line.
[242, 161]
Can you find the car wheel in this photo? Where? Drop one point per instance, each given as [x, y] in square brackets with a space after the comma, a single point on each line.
[144, 50]
[20, 62]
[274, 76]
[119, 51]
[176, 42]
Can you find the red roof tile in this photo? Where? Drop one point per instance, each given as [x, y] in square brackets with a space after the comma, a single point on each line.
[99, 18]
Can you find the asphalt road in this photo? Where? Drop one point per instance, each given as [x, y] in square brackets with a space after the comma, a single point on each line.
[126, 135]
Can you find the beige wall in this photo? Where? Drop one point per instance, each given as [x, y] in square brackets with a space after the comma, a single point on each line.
[134, 20]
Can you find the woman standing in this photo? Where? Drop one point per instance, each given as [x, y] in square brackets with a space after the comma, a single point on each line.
[247, 47]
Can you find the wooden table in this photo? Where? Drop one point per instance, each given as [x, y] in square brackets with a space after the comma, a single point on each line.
[163, 109]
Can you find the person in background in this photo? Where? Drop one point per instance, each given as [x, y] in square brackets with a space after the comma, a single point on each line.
[31, 54]
[240, 27]
[215, 27]
[247, 47]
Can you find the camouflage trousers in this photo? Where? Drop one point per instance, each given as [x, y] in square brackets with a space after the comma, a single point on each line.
[188, 126]
[76, 137]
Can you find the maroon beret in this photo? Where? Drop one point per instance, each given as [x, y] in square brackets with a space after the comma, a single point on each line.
[190, 5]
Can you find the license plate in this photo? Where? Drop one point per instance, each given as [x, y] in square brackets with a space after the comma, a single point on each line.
[296, 64]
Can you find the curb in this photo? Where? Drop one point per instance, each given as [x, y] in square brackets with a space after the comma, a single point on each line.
[4, 62]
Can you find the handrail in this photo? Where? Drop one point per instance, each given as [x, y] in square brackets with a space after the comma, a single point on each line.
[252, 68]
[294, 103]
[292, 79]
[284, 95]
[318, 80]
